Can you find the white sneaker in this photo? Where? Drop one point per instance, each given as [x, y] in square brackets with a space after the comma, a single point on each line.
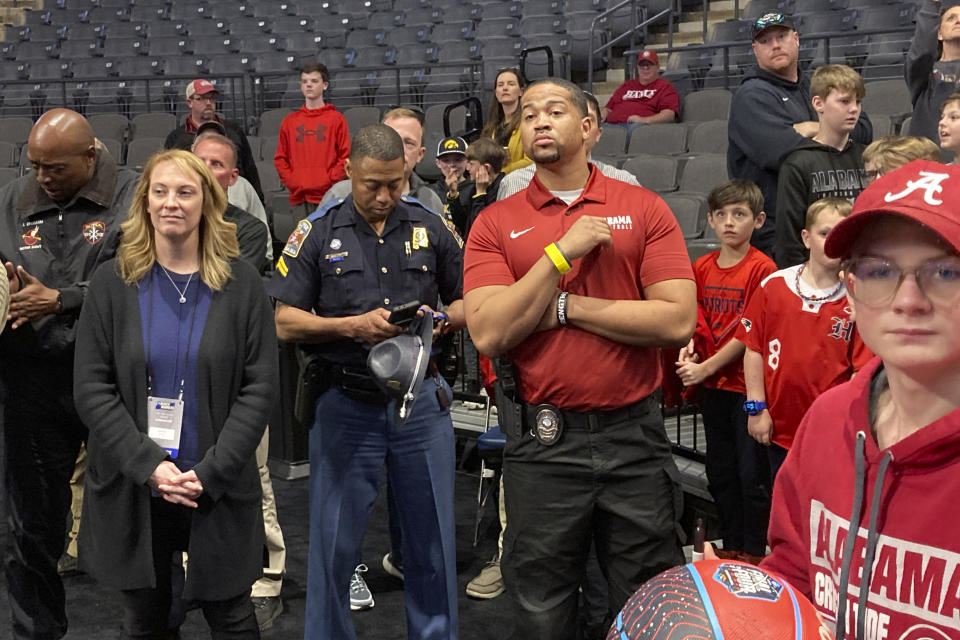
[394, 570]
[360, 596]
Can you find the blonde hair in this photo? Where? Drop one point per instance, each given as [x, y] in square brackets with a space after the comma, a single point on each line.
[836, 76]
[840, 205]
[218, 238]
[892, 152]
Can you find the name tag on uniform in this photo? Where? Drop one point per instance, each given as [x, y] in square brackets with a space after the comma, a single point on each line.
[164, 422]
[336, 257]
[420, 240]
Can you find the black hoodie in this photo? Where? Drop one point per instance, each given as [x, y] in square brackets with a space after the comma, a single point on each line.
[762, 114]
[929, 80]
[812, 171]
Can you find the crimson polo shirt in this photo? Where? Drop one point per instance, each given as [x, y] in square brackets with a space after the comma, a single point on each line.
[567, 366]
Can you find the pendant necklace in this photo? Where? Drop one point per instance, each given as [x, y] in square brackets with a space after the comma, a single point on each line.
[811, 298]
[183, 294]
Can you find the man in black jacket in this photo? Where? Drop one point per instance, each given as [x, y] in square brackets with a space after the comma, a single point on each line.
[202, 100]
[57, 225]
[771, 114]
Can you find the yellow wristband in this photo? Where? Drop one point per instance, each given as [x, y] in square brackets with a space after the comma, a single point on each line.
[556, 256]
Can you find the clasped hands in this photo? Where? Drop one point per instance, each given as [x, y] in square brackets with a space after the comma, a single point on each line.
[175, 486]
[29, 299]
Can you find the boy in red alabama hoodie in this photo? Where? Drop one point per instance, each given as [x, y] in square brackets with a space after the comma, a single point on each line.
[864, 518]
[313, 143]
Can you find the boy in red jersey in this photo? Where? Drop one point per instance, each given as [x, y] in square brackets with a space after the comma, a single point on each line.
[800, 337]
[726, 281]
[861, 521]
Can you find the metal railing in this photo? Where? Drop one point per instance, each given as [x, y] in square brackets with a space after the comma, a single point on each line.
[640, 22]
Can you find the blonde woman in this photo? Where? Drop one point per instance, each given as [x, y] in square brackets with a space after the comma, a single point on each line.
[175, 372]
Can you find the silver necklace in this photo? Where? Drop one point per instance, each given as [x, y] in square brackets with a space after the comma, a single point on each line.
[183, 294]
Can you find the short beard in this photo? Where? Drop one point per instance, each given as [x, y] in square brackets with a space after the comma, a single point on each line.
[546, 156]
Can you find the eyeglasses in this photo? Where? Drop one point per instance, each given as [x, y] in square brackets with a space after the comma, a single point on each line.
[204, 98]
[873, 174]
[875, 281]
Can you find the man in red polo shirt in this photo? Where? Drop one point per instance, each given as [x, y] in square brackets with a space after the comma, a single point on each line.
[579, 279]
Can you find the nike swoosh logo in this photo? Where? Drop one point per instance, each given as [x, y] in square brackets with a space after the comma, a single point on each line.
[516, 234]
[784, 99]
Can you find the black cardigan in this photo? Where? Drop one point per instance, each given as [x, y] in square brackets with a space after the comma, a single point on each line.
[237, 373]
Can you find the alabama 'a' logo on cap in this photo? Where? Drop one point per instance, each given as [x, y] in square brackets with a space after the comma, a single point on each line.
[929, 182]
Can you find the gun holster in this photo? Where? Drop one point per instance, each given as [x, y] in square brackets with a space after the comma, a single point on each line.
[313, 380]
[507, 398]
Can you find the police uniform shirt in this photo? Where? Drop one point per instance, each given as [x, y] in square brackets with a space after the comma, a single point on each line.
[335, 265]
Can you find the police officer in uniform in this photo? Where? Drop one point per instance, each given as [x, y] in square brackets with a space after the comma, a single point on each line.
[342, 270]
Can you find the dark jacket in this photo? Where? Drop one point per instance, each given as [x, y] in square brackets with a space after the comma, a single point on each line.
[929, 81]
[182, 138]
[811, 172]
[764, 109]
[465, 208]
[251, 236]
[61, 246]
[236, 377]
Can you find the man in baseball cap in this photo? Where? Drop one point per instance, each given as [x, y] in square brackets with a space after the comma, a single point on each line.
[646, 99]
[895, 427]
[202, 96]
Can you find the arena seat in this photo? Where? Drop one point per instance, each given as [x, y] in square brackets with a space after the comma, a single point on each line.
[690, 212]
[381, 21]
[36, 51]
[139, 150]
[533, 26]
[9, 174]
[887, 97]
[171, 46]
[497, 27]
[334, 28]
[152, 125]
[498, 10]
[249, 26]
[461, 12]
[365, 38]
[361, 116]
[658, 139]
[709, 137]
[753, 9]
[702, 173]
[732, 30]
[269, 178]
[352, 88]
[282, 25]
[452, 32]
[8, 154]
[274, 9]
[612, 144]
[268, 147]
[423, 16]
[303, 44]
[707, 104]
[654, 172]
[366, 57]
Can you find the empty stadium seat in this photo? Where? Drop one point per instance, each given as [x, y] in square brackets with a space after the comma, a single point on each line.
[8, 154]
[9, 174]
[612, 144]
[498, 27]
[498, 10]
[452, 32]
[139, 150]
[709, 137]
[110, 126]
[152, 125]
[15, 130]
[654, 172]
[887, 97]
[269, 178]
[658, 139]
[690, 212]
[270, 122]
[361, 116]
[708, 104]
[702, 173]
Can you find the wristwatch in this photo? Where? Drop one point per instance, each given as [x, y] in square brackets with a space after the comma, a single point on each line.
[754, 407]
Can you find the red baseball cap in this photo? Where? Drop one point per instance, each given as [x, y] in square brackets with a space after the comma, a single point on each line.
[200, 87]
[648, 55]
[924, 191]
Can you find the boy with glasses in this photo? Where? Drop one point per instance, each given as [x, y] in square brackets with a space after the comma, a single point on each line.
[860, 522]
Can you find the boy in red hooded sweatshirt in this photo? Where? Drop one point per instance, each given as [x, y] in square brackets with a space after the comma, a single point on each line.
[313, 143]
[861, 519]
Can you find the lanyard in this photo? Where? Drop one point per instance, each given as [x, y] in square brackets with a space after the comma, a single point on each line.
[186, 356]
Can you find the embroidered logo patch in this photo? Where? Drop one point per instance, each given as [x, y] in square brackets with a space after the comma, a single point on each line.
[420, 240]
[296, 238]
[32, 239]
[453, 230]
[93, 232]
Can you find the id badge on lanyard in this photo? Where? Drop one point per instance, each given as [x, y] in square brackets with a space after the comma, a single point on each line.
[164, 421]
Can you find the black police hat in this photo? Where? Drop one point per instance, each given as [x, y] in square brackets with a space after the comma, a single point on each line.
[399, 365]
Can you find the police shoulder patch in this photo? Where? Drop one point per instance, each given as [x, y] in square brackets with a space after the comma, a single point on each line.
[296, 239]
[453, 230]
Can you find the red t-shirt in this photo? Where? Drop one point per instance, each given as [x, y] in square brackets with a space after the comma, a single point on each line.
[635, 99]
[807, 346]
[722, 295]
[569, 367]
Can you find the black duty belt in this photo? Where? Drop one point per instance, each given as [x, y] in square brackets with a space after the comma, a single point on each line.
[547, 422]
[357, 384]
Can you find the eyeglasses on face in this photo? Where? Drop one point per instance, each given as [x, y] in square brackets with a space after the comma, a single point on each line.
[874, 281]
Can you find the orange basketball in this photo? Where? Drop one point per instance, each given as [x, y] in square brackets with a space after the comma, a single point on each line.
[714, 600]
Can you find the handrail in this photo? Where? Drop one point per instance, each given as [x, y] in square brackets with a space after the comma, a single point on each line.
[474, 118]
[526, 51]
[669, 12]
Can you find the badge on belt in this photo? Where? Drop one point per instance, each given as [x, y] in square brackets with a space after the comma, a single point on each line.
[548, 425]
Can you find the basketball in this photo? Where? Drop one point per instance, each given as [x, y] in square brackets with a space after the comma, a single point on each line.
[714, 600]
